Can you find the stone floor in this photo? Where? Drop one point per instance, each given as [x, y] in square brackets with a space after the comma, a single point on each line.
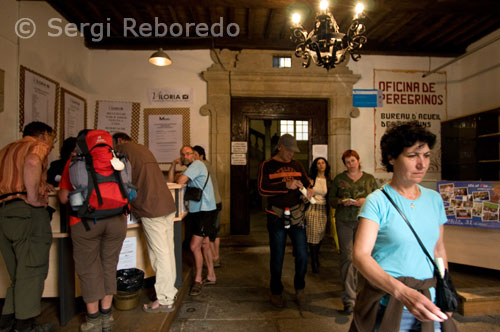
[240, 300]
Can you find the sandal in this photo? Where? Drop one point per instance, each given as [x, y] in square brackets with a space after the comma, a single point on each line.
[161, 308]
[209, 282]
[196, 288]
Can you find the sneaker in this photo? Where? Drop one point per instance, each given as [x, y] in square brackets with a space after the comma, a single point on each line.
[107, 322]
[300, 297]
[92, 324]
[277, 300]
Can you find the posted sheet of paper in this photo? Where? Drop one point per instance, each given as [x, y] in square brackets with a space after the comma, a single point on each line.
[39, 99]
[114, 116]
[165, 136]
[74, 115]
[128, 254]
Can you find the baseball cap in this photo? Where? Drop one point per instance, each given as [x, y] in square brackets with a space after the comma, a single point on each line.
[289, 142]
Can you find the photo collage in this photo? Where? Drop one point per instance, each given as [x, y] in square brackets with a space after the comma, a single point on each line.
[473, 204]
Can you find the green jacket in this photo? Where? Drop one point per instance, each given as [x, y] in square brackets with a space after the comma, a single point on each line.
[344, 187]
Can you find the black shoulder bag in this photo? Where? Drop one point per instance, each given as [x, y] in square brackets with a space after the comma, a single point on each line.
[195, 194]
[446, 295]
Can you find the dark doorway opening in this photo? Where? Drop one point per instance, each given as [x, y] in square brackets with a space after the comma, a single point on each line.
[260, 122]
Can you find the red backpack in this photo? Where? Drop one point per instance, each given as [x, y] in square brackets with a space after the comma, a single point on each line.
[101, 191]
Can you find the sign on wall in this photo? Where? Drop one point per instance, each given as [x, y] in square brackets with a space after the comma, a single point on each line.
[38, 98]
[176, 96]
[73, 114]
[166, 130]
[472, 204]
[118, 116]
[408, 96]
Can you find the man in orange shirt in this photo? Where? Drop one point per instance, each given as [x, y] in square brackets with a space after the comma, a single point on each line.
[25, 233]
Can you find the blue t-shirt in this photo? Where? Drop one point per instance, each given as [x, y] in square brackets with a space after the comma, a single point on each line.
[197, 174]
[396, 249]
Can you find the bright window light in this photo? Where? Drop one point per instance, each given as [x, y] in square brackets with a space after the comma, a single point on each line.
[298, 129]
[282, 62]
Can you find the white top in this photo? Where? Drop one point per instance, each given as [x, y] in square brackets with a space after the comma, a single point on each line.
[320, 190]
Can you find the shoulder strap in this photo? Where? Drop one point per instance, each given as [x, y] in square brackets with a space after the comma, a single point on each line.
[206, 181]
[411, 228]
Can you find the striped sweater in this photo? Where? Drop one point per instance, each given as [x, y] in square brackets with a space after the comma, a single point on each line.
[273, 175]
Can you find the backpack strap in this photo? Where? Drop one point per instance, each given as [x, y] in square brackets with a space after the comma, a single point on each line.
[89, 164]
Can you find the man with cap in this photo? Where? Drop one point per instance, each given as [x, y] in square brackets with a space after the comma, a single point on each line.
[280, 179]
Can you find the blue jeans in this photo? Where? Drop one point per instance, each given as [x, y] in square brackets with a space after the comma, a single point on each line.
[277, 244]
[408, 322]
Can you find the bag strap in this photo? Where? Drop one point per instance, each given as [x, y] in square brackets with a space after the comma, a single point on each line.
[411, 228]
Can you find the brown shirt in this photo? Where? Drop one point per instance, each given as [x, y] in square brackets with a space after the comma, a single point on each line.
[12, 159]
[154, 199]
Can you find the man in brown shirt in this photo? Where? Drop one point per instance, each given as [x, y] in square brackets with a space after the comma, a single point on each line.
[155, 207]
[25, 233]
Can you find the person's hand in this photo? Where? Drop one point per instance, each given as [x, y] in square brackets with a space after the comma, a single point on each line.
[421, 307]
[310, 193]
[358, 202]
[50, 188]
[177, 161]
[36, 203]
[293, 184]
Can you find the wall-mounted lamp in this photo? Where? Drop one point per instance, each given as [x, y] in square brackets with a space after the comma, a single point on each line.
[160, 58]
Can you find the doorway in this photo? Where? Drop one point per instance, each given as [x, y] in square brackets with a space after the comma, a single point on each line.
[260, 122]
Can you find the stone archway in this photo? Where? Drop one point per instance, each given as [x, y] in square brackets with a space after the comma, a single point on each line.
[249, 73]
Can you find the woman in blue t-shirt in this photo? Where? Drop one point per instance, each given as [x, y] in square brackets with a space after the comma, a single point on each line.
[385, 249]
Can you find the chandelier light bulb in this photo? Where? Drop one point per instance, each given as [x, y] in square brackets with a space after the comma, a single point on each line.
[323, 5]
[325, 45]
[359, 8]
[296, 18]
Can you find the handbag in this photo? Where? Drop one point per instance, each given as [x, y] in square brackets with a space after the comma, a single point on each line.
[195, 194]
[446, 295]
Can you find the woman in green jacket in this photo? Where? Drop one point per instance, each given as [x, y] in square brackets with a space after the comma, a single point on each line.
[347, 195]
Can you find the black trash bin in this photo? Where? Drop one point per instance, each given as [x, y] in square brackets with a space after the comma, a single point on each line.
[129, 283]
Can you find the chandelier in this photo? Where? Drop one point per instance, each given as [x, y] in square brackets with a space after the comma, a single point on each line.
[325, 45]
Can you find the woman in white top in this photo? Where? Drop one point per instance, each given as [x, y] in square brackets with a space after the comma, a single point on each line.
[317, 214]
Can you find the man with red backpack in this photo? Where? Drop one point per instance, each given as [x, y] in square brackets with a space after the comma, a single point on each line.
[93, 185]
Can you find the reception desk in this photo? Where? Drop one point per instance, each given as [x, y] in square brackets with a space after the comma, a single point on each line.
[61, 280]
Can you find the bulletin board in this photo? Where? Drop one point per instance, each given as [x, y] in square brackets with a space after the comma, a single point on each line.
[38, 96]
[118, 116]
[166, 130]
[73, 114]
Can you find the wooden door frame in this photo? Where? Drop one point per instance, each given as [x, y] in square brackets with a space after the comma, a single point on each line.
[245, 109]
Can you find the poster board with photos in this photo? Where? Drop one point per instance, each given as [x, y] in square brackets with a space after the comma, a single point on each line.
[471, 204]
[73, 114]
[166, 130]
[118, 116]
[38, 96]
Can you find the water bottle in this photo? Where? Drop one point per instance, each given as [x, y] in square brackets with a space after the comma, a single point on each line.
[286, 218]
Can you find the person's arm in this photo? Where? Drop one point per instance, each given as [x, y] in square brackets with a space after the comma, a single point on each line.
[63, 195]
[419, 305]
[32, 177]
[171, 171]
[268, 188]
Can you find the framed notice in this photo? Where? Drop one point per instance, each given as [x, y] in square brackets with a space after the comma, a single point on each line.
[408, 96]
[166, 130]
[118, 116]
[73, 114]
[37, 98]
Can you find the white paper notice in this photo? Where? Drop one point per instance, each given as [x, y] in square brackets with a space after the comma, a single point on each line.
[74, 115]
[239, 147]
[238, 159]
[165, 136]
[114, 116]
[39, 99]
[128, 254]
[320, 150]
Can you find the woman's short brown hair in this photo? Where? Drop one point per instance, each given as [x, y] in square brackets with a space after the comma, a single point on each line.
[349, 153]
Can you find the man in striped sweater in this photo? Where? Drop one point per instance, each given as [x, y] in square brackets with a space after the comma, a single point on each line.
[280, 179]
